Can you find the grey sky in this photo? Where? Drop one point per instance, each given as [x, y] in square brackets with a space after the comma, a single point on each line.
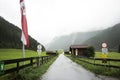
[49, 18]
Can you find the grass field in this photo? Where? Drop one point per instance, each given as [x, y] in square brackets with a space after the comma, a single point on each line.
[29, 73]
[101, 69]
[113, 55]
[32, 73]
[17, 53]
[6, 54]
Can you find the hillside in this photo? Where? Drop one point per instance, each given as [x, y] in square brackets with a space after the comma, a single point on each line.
[111, 36]
[63, 42]
[10, 36]
[93, 38]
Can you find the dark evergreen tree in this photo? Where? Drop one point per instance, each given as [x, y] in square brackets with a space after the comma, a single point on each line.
[90, 52]
[10, 36]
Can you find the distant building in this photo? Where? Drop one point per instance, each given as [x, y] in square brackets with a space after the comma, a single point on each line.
[51, 53]
[66, 52]
[78, 50]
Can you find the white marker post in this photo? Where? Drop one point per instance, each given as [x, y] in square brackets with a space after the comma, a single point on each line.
[39, 49]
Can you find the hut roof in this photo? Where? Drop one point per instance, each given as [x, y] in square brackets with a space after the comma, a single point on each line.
[79, 46]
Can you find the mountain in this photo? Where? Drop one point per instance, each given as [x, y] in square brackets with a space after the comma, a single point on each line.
[93, 38]
[111, 36]
[10, 36]
[63, 42]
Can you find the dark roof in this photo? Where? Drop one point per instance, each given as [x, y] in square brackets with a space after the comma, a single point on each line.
[50, 52]
[79, 46]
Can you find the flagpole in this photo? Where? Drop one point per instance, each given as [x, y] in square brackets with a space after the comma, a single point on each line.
[23, 53]
[24, 36]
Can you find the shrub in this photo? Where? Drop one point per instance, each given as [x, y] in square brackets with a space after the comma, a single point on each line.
[90, 52]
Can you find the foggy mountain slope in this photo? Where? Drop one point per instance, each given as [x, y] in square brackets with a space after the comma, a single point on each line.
[111, 36]
[81, 37]
[63, 42]
[60, 43]
[94, 38]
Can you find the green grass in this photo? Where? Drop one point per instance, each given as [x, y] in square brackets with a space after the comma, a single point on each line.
[60, 51]
[29, 73]
[6, 54]
[101, 69]
[17, 53]
[32, 73]
[113, 55]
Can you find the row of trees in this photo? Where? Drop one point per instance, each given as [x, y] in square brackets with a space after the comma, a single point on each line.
[10, 36]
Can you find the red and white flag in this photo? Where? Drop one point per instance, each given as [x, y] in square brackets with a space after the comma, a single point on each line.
[24, 37]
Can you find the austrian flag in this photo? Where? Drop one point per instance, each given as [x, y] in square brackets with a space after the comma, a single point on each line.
[24, 37]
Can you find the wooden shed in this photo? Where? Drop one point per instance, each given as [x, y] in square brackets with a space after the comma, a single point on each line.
[78, 50]
[51, 53]
[66, 52]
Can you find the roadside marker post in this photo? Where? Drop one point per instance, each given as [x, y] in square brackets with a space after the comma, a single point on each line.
[1, 67]
[104, 52]
[104, 45]
[39, 49]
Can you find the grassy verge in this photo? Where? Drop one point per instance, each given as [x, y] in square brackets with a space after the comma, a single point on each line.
[17, 53]
[32, 73]
[101, 70]
[113, 55]
[29, 73]
[6, 54]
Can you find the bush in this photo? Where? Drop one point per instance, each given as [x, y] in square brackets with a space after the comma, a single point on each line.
[90, 52]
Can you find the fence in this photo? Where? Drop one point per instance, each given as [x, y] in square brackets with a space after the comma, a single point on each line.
[22, 63]
[98, 62]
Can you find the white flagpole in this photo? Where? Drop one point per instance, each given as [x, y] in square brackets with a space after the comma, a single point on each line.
[23, 53]
[24, 37]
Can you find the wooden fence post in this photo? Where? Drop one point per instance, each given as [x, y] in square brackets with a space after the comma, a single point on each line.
[37, 60]
[42, 59]
[94, 61]
[109, 64]
[31, 61]
[17, 66]
[47, 59]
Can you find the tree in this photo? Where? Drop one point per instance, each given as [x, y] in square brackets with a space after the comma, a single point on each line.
[90, 52]
[10, 36]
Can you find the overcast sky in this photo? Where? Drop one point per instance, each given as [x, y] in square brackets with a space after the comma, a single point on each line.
[49, 18]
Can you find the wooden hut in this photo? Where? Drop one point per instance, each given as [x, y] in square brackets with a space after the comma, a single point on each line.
[51, 53]
[66, 52]
[78, 50]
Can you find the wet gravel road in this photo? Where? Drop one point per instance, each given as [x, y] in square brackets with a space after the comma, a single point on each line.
[64, 69]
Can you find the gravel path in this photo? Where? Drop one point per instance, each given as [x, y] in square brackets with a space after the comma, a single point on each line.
[64, 69]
